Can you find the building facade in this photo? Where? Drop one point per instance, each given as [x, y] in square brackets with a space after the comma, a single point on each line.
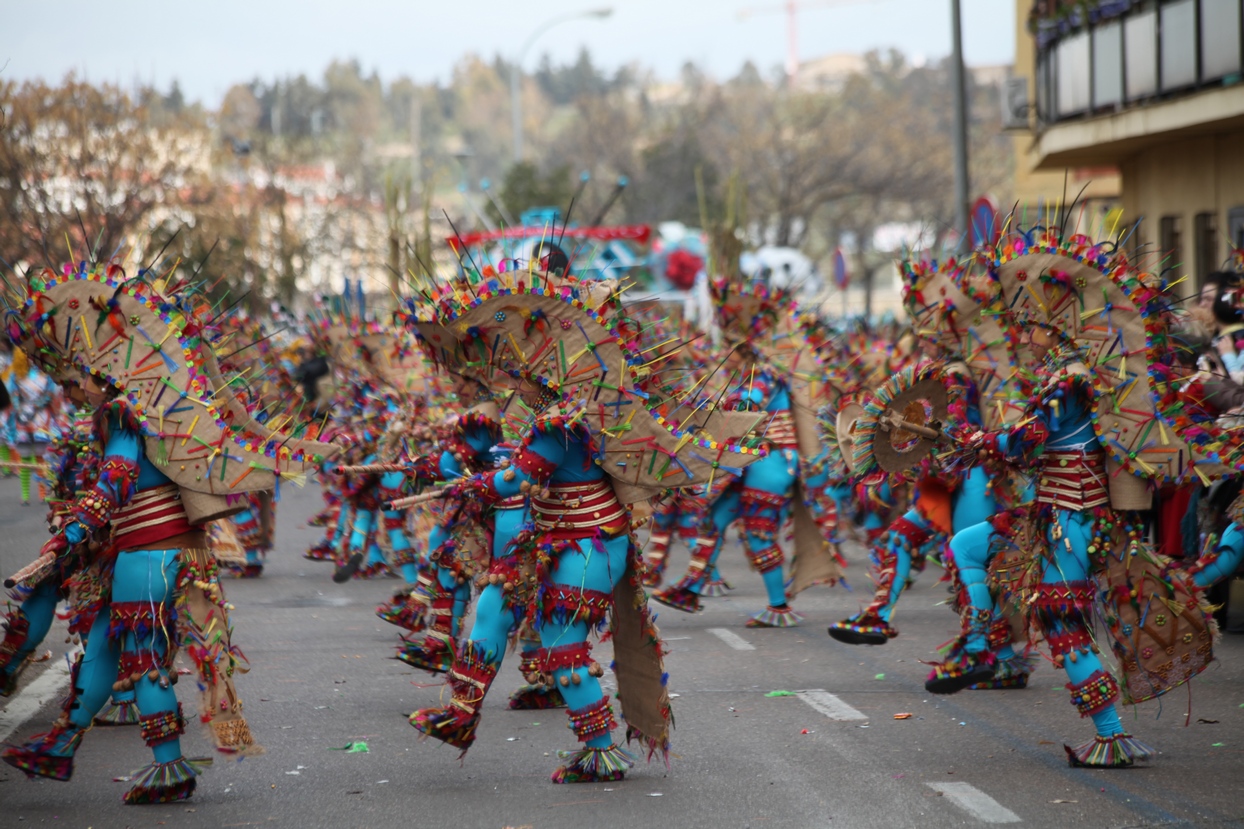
[1152, 92]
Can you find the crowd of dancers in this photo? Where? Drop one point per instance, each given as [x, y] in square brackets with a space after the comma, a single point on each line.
[1054, 426]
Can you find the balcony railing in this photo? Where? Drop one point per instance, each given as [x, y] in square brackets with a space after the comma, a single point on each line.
[1151, 51]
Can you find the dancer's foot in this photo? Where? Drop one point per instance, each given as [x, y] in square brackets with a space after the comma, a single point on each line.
[1117, 751]
[593, 765]
[1011, 673]
[961, 670]
[164, 782]
[536, 697]
[451, 725]
[401, 611]
[320, 552]
[863, 629]
[346, 571]
[678, 598]
[775, 617]
[372, 570]
[47, 755]
[428, 655]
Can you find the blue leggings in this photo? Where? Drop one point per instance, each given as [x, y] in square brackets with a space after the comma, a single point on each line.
[774, 474]
[584, 567]
[971, 551]
[1070, 563]
[972, 504]
[39, 608]
[495, 618]
[147, 577]
[362, 536]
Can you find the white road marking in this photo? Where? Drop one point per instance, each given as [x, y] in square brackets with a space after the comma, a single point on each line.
[829, 705]
[732, 639]
[975, 802]
[49, 686]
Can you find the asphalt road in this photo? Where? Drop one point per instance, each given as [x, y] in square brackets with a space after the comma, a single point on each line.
[323, 678]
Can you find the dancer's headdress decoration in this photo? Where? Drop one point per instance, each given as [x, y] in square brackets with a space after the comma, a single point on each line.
[150, 349]
[1118, 322]
[571, 338]
[950, 302]
[769, 321]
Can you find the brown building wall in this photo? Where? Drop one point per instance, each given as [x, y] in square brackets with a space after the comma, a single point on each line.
[1178, 180]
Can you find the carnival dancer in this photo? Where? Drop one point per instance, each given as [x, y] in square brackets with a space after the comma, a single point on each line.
[500, 617]
[156, 489]
[254, 530]
[565, 346]
[680, 513]
[453, 550]
[760, 326]
[1083, 541]
[32, 421]
[942, 504]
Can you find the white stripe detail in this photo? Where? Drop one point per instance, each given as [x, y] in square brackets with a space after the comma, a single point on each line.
[48, 687]
[829, 705]
[732, 639]
[975, 802]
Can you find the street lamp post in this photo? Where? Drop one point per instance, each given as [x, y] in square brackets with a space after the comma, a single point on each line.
[958, 78]
[516, 70]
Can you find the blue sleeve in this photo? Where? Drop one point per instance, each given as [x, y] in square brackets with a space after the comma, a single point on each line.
[533, 463]
[449, 466]
[118, 476]
[479, 438]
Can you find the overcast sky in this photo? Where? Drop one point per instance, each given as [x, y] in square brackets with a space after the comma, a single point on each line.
[208, 46]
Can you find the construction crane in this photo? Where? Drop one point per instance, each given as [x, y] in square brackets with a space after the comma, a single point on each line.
[792, 9]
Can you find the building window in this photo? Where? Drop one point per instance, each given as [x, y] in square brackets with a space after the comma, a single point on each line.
[1235, 227]
[1220, 38]
[1140, 36]
[1074, 75]
[1108, 65]
[1170, 242]
[1206, 229]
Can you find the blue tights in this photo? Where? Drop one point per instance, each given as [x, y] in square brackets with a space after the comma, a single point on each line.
[140, 576]
[584, 567]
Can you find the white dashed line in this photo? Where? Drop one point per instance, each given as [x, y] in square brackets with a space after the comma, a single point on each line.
[732, 639]
[47, 687]
[829, 705]
[975, 802]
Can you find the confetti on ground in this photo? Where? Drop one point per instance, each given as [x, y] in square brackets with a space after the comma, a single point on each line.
[780, 694]
[903, 716]
[357, 747]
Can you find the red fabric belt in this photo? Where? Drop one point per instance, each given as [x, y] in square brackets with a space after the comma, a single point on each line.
[152, 515]
[1073, 480]
[781, 431]
[576, 510]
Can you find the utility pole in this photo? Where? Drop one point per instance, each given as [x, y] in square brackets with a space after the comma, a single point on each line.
[958, 78]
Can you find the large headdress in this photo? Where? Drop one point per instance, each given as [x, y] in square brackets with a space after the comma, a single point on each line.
[150, 349]
[1118, 321]
[571, 337]
[938, 309]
